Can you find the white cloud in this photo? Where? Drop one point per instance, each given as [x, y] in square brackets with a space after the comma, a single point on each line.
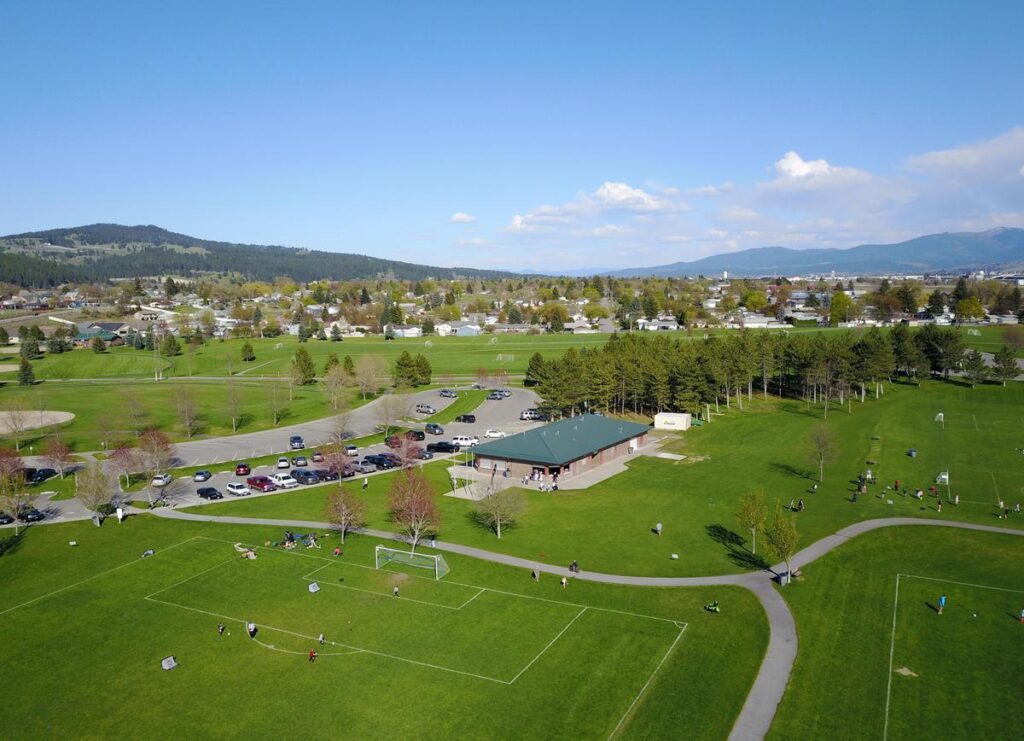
[993, 159]
[609, 230]
[461, 217]
[739, 213]
[792, 165]
[716, 233]
[621, 196]
[473, 242]
[712, 190]
[675, 238]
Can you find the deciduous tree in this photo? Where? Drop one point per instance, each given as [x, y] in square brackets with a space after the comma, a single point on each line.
[93, 487]
[822, 448]
[412, 508]
[782, 538]
[16, 419]
[125, 460]
[344, 511]
[752, 514]
[57, 453]
[500, 510]
[14, 496]
[368, 373]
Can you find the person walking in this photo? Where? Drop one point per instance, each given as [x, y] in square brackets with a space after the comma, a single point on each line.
[657, 529]
[535, 575]
[220, 629]
[366, 482]
[792, 505]
[312, 655]
[251, 629]
[938, 506]
[800, 506]
[394, 592]
[942, 603]
[897, 487]
[321, 639]
[565, 582]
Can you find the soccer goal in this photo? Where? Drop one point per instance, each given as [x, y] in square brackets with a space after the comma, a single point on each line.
[383, 556]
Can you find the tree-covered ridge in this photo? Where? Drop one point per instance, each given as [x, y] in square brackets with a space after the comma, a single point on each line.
[101, 252]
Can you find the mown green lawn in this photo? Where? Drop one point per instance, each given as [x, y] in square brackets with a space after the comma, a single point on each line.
[484, 653]
[955, 675]
[608, 526]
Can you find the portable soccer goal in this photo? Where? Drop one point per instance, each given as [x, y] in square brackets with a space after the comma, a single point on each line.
[436, 564]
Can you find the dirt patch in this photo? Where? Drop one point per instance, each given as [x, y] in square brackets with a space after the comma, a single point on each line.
[32, 420]
[904, 671]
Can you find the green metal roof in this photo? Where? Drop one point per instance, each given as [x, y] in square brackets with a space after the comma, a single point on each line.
[560, 442]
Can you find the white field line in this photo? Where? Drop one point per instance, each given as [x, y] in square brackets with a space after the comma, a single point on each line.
[355, 649]
[963, 583]
[304, 653]
[995, 486]
[550, 644]
[975, 423]
[892, 641]
[388, 595]
[647, 683]
[194, 576]
[91, 578]
[892, 650]
[463, 584]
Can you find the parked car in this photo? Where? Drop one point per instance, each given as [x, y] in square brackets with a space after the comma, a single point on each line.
[208, 492]
[284, 481]
[306, 476]
[261, 483]
[238, 489]
[383, 463]
[242, 469]
[448, 394]
[352, 450]
[283, 462]
[347, 472]
[300, 460]
[528, 415]
[432, 428]
[317, 457]
[494, 434]
[425, 409]
[5, 519]
[162, 479]
[542, 417]
[467, 418]
[443, 447]
[31, 514]
[200, 476]
[415, 435]
[495, 396]
[425, 455]
[391, 457]
[40, 475]
[324, 474]
[504, 392]
[466, 441]
[395, 441]
[363, 467]
[295, 442]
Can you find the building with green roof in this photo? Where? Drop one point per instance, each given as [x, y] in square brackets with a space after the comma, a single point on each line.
[566, 448]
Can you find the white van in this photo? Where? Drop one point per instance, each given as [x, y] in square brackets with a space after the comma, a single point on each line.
[465, 441]
[284, 481]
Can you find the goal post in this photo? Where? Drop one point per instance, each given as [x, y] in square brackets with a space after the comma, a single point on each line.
[382, 556]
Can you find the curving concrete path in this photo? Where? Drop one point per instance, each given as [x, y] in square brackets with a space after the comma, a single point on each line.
[755, 719]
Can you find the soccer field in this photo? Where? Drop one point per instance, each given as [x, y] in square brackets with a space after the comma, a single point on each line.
[974, 682]
[485, 652]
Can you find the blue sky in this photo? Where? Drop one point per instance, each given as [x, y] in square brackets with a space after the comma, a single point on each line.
[519, 135]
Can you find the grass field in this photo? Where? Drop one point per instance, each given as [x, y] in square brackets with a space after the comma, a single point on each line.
[875, 662]
[484, 653]
[608, 526]
[101, 412]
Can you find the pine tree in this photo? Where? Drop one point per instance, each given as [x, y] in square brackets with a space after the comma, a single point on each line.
[98, 345]
[335, 333]
[305, 371]
[170, 346]
[536, 370]
[423, 370]
[364, 297]
[404, 373]
[29, 348]
[5, 339]
[348, 365]
[332, 361]
[1005, 365]
[26, 376]
[138, 341]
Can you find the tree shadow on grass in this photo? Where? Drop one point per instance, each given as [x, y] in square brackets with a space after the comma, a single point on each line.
[734, 545]
[788, 468]
[11, 543]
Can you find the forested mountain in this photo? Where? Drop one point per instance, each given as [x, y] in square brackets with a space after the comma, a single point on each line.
[105, 251]
[996, 248]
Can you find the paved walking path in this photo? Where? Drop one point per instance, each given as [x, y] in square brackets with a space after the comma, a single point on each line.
[755, 719]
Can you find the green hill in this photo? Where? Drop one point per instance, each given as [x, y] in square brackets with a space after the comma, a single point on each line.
[106, 251]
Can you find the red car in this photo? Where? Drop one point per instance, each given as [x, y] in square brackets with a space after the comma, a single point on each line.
[242, 469]
[261, 483]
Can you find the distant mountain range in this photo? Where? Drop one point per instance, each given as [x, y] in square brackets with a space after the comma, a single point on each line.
[1001, 248]
[106, 251]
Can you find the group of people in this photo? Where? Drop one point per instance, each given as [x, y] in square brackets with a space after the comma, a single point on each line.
[291, 541]
[795, 506]
[538, 476]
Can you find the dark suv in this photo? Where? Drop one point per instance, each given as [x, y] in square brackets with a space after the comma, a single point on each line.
[295, 442]
[443, 447]
[305, 476]
[468, 418]
[382, 462]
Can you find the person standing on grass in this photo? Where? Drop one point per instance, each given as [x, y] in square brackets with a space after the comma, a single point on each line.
[897, 487]
[657, 529]
[220, 629]
[535, 575]
[565, 582]
[312, 655]
[942, 603]
[321, 639]
[939, 506]
[366, 482]
[800, 506]
[394, 592]
[251, 629]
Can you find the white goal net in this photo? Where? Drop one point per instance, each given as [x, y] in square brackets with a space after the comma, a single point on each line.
[384, 556]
